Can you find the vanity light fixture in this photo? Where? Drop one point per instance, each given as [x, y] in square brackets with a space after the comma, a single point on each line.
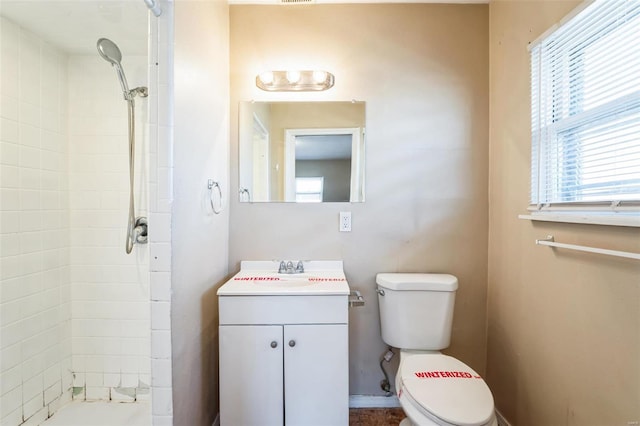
[295, 81]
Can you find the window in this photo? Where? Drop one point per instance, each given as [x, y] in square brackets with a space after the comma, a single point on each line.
[585, 112]
[309, 189]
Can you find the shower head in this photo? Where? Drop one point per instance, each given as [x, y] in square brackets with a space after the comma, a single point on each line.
[110, 53]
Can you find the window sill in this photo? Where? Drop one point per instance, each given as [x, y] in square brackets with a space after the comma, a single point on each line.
[590, 219]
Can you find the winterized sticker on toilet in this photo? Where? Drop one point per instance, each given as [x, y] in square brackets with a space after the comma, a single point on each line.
[445, 375]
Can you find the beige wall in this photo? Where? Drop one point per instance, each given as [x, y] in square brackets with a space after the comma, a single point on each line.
[199, 237]
[563, 326]
[423, 71]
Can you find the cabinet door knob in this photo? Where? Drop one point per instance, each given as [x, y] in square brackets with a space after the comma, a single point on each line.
[274, 344]
[292, 343]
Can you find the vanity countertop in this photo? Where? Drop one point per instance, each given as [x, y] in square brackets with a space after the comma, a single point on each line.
[321, 277]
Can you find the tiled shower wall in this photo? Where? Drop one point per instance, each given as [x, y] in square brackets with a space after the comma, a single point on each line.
[160, 204]
[35, 333]
[39, 241]
[109, 288]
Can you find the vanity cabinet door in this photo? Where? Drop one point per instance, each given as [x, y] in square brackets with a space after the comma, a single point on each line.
[251, 388]
[316, 376]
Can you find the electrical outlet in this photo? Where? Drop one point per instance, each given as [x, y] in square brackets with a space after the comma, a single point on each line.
[345, 221]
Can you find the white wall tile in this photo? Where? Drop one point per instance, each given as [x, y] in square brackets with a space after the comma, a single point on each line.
[160, 257]
[52, 375]
[10, 199]
[12, 334]
[30, 116]
[9, 244]
[143, 395]
[32, 366]
[9, 177]
[161, 344]
[165, 186]
[9, 268]
[11, 400]
[161, 286]
[29, 156]
[58, 402]
[96, 393]
[35, 412]
[10, 380]
[94, 364]
[32, 388]
[94, 379]
[129, 364]
[161, 401]
[144, 368]
[10, 356]
[129, 380]
[112, 380]
[30, 178]
[9, 136]
[160, 316]
[52, 392]
[9, 107]
[117, 395]
[162, 420]
[161, 223]
[161, 372]
[11, 312]
[79, 379]
[13, 418]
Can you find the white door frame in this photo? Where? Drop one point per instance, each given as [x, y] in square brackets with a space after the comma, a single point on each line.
[261, 170]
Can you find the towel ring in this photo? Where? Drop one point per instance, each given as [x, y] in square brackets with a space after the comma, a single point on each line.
[213, 184]
[243, 192]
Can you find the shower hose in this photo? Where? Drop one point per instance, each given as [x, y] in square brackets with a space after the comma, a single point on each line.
[132, 150]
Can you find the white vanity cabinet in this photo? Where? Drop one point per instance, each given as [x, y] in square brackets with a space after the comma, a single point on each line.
[283, 353]
[291, 374]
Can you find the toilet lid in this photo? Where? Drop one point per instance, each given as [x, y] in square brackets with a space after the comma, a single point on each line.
[447, 389]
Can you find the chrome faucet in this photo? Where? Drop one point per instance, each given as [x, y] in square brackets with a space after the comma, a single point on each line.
[289, 268]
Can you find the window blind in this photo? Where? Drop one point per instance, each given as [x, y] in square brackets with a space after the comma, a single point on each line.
[585, 109]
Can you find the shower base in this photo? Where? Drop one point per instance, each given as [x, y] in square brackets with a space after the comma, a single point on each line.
[102, 413]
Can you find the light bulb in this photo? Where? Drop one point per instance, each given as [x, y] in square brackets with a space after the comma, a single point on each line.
[266, 77]
[293, 76]
[319, 76]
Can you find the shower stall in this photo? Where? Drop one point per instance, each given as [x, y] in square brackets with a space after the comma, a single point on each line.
[84, 301]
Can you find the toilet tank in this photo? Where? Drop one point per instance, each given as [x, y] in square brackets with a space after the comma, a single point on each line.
[416, 310]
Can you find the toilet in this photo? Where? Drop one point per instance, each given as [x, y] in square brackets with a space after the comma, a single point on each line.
[416, 314]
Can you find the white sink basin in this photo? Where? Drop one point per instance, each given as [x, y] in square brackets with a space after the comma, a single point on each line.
[262, 278]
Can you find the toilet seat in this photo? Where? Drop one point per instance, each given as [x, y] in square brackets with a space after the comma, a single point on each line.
[445, 389]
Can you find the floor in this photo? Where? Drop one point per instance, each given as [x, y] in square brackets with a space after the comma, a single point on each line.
[138, 414]
[101, 413]
[375, 416]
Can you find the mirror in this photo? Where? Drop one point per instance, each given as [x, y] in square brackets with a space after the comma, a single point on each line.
[301, 151]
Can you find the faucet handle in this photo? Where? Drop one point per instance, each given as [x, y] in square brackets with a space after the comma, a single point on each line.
[282, 268]
[300, 267]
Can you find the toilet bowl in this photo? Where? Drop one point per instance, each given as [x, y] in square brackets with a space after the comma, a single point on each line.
[436, 389]
[416, 315]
